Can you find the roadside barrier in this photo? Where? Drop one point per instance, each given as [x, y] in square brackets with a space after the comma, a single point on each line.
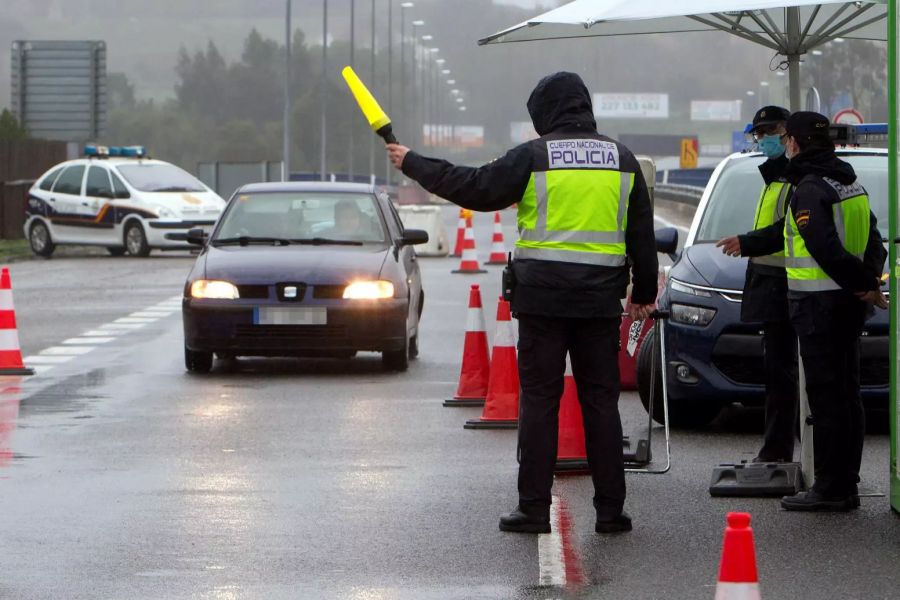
[468, 263]
[10, 351]
[498, 248]
[501, 405]
[476, 365]
[571, 453]
[461, 232]
[427, 218]
[738, 579]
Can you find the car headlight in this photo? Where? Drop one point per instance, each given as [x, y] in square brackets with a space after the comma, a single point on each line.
[205, 288]
[692, 315]
[686, 288]
[164, 212]
[369, 290]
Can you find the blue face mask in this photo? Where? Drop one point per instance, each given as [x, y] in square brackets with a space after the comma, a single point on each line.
[771, 146]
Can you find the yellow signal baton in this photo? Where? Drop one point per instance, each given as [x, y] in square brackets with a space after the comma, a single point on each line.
[377, 118]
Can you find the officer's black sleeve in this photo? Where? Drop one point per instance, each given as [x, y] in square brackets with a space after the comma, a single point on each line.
[875, 253]
[823, 242]
[493, 186]
[762, 242]
[640, 243]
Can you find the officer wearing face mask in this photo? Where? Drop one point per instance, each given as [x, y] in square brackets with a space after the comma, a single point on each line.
[765, 287]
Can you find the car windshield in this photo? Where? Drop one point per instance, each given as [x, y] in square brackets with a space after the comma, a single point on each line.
[320, 217]
[159, 178]
[732, 205]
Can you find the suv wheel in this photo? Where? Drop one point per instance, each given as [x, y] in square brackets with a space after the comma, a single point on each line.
[397, 360]
[136, 240]
[682, 413]
[40, 240]
[196, 361]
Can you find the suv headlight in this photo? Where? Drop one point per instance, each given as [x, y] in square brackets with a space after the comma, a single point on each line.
[369, 290]
[222, 290]
[692, 315]
[164, 212]
[686, 288]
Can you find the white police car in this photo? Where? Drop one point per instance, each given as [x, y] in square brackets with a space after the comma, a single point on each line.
[117, 198]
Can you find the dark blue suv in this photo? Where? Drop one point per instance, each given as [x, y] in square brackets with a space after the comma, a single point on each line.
[712, 358]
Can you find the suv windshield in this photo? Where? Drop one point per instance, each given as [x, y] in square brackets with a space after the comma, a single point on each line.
[159, 178]
[732, 205]
[297, 216]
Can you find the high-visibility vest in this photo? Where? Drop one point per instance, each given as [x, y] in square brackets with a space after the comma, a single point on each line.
[851, 220]
[576, 210]
[770, 209]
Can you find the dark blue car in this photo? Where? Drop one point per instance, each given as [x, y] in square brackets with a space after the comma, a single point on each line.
[304, 269]
[712, 358]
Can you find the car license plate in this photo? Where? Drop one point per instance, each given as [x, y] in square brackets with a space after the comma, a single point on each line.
[282, 315]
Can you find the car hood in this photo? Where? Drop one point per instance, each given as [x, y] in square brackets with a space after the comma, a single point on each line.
[307, 264]
[705, 264]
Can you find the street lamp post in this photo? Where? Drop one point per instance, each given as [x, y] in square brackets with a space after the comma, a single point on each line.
[324, 98]
[403, 7]
[352, 64]
[372, 79]
[416, 91]
[286, 118]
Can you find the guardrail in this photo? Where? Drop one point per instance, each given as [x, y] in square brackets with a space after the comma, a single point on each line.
[686, 194]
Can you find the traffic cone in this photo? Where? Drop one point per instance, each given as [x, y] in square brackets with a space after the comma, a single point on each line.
[738, 579]
[460, 233]
[469, 261]
[501, 406]
[571, 452]
[498, 249]
[10, 352]
[476, 364]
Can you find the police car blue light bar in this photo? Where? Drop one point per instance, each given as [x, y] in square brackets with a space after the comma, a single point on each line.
[865, 134]
[126, 151]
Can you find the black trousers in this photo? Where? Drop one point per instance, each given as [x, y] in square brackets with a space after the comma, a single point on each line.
[593, 346]
[829, 325]
[780, 348]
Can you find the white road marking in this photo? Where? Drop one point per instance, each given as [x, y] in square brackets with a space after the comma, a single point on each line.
[41, 369]
[122, 326]
[84, 341]
[551, 562]
[66, 350]
[667, 223]
[101, 333]
[151, 314]
[133, 320]
[46, 360]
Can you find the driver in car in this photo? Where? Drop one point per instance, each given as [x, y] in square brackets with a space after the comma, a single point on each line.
[349, 222]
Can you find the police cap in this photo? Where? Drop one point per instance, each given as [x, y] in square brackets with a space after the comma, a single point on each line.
[806, 124]
[769, 115]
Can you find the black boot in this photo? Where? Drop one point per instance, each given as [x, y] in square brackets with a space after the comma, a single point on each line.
[613, 524]
[526, 521]
[814, 501]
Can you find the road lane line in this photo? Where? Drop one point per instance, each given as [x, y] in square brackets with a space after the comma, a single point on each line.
[66, 350]
[551, 564]
[101, 333]
[133, 320]
[151, 314]
[83, 341]
[667, 223]
[46, 360]
[123, 327]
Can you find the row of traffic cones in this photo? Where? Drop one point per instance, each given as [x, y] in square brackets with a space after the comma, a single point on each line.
[494, 384]
[465, 244]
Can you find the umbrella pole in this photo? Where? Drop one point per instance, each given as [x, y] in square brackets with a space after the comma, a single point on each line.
[793, 55]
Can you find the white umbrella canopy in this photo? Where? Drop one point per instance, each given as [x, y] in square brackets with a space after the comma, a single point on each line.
[788, 27]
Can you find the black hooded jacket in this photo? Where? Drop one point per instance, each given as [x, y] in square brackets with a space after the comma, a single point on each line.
[815, 197]
[560, 105]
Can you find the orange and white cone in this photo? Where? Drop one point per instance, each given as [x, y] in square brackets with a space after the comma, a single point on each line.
[571, 451]
[498, 248]
[469, 261]
[10, 352]
[460, 232]
[501, 406]
[476, 363]
[738, 579]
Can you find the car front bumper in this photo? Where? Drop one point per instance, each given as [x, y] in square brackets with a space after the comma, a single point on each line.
[223, 327]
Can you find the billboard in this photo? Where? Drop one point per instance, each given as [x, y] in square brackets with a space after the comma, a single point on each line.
[455, 136]
[631, 106]
[59, 89]
[716, 110]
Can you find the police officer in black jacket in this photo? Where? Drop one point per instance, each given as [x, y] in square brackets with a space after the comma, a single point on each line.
[765, 287]
[834, 259]
[584, 217]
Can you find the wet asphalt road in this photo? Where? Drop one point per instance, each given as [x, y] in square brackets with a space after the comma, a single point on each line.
[123, 477]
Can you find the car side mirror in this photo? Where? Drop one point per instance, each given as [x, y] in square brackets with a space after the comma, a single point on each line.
[667, 241]
[196, 236]
[413, 237]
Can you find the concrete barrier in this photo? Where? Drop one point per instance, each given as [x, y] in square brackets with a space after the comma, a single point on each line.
[429, 219]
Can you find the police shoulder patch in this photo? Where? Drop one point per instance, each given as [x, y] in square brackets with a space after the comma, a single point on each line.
[802, 219]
